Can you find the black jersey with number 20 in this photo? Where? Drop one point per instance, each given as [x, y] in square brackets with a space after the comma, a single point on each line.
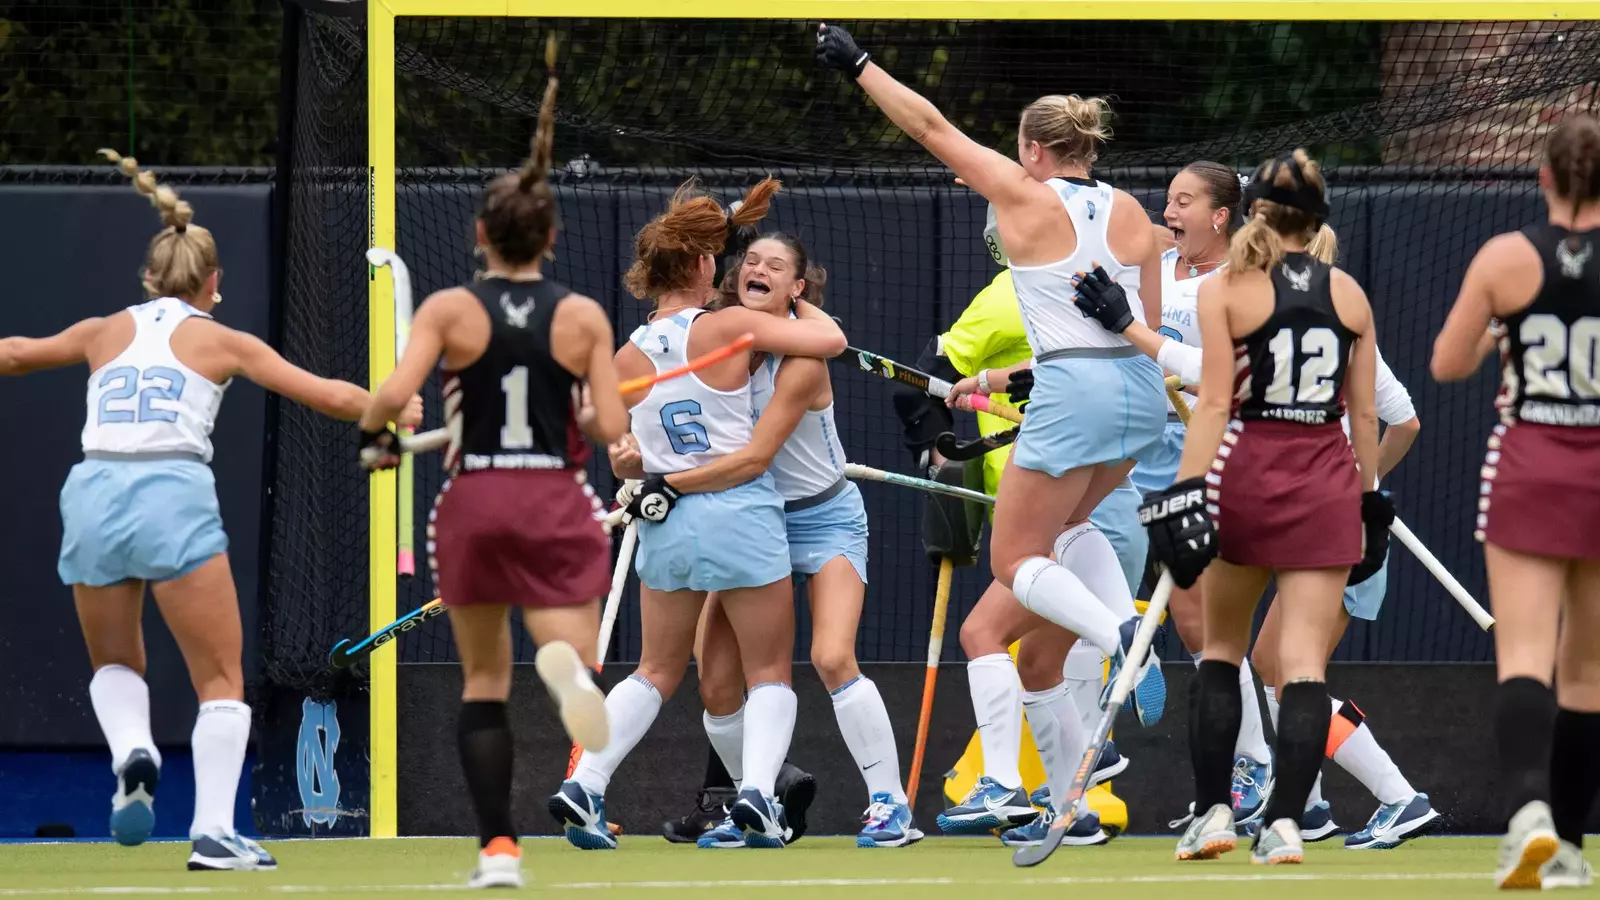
[1292, 368]
[1551, 347]
[514, 408]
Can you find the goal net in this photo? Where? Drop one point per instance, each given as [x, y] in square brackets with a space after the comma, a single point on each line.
[1429, 133]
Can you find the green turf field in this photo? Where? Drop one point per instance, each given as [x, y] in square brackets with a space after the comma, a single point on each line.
[954, 868]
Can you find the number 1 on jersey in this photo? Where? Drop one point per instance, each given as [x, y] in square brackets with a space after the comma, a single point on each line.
[516, 433]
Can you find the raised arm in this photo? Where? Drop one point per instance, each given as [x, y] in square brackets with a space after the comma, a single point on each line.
[812, 333]
[20, 355]
[994, 176]
[799, 381]
[256, 361]
[411, 372]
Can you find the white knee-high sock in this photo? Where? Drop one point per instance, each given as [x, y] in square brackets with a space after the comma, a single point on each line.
[997, 703]
[631, 707]
[1059, 735]
[1060, 596]
[727, 738]
[769, 711]
[864, 723]
[1361, 756]
[1085, 675]
[121, 703]
[221, 736]
[1252, 741]
[1087, 553]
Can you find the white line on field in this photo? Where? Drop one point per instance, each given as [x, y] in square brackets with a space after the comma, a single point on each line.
[157, 890]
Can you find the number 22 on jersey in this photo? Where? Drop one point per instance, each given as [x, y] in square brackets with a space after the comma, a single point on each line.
[155, 385]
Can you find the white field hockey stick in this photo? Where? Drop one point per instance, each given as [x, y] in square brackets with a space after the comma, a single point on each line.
[1142, 638]
[1431, 562]
[406, 557]
[867, 473]
[608, 618]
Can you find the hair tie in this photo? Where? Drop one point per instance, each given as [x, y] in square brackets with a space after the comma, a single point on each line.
[1244, 181]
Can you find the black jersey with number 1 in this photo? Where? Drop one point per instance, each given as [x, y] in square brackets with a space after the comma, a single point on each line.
[1551, 347]
[1292, 368]
[514, 407]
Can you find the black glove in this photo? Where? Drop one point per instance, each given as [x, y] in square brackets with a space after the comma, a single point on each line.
[1103, 300]
[380, 450]
[1020, 388]
[654, 500]
[836, 49]
[923, 417]
[1182, 536]
[1377, 513]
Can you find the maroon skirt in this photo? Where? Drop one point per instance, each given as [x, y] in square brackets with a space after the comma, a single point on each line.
[1285, 496]
[519, 538]
[1540, 492]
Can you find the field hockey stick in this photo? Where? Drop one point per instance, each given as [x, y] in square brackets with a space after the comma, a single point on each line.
[608, 618]
[941, 604]
[1068, 807]
[928, 384]
[405, 558]
[1432, 564]
[1180, 405]
[345, 653]
[961, 451]
[867, 473]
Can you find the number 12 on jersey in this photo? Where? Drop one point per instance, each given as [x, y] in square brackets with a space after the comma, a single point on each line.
[1319, 360]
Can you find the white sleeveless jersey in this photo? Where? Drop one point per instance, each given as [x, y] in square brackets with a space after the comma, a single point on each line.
[1045, 292]
[812, 459]
[145, 400]
[684, 423]
[1179, 311]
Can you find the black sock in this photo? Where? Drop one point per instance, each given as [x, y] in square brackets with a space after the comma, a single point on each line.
[1574, 777]
[717, 777]
[484, 738]
[1214, 715]
[1302, 742]
[1524, 725]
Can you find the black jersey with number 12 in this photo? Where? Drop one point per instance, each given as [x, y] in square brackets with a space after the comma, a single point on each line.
[1292, 368]
[515, 408]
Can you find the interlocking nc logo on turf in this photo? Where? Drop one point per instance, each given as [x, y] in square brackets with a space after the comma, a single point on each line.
[318, 778]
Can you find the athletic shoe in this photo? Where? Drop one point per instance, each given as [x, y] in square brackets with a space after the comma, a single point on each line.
[887, 824]
[761, 819]
[1316, 823]
[1567, 869]
[990, 805]
[1084, 831]
[1208, 836]
[1111, 764]
[1278, 844]
[264, 860]
[1149, 686]
[724, 836]
[133, 814]
[583, 816]
[1252, 787]
[1529, 843]
[1394, 824]
[226, 853]
[499, 865]
[582, 704]
[709, 810]
[796, 789]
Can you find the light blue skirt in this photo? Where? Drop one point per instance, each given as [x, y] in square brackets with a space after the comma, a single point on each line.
[1101, 407]
[716, 542]
[154, 520]
[835, 527]
[1157, 468]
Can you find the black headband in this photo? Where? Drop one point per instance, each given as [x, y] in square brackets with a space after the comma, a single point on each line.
[1302, 196]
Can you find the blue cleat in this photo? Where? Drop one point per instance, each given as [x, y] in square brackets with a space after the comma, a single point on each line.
[583, 816]
[726, 836]
[1111, 764]
[887, 824]
[1394, 824]
[1150, 686]
[1316, 823]
[1083, 832]
[1252, 787]
[228, 853]
[761, 819]
[133, 814]
[990, 805]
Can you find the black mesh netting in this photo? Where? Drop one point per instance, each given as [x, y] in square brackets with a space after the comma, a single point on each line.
[1428, 132]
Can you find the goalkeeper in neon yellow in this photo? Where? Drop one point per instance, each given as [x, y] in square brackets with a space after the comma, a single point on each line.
[989, 335]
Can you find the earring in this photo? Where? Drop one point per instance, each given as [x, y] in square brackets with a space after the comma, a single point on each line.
[1215, 228]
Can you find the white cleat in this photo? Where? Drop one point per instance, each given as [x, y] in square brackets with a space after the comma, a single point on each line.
[1279, 843]
[1208, 836]
[1530, 842]
[499, 866]
[582, 704]
[1567, 869]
